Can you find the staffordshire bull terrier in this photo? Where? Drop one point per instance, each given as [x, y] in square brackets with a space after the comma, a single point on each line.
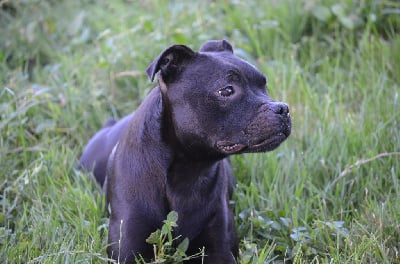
[172, 152]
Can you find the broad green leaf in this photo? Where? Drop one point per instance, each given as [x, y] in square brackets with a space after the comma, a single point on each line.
[154, 237]
[183, 246]
[172, 217]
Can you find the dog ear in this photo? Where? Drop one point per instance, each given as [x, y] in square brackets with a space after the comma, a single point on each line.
[170, 61]
[216, 46]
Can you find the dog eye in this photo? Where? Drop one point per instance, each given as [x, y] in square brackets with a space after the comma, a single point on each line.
[226, 91]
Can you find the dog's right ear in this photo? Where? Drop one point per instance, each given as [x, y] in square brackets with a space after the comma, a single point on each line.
[216, 46]
[170, 62]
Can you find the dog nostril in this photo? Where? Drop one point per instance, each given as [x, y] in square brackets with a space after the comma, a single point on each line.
[281, 109]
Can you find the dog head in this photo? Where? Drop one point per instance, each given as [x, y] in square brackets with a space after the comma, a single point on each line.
[216, 103]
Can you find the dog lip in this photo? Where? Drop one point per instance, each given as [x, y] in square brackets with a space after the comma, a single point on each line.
[287, 131]
[229, 147]
[269, 143]
[265, 144]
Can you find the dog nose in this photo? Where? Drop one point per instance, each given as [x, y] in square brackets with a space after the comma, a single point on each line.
[281, 109]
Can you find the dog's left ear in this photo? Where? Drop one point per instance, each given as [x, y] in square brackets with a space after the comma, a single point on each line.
[170, 62]
[216, 46]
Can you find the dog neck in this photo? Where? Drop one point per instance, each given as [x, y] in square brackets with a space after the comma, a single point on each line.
[186, 172]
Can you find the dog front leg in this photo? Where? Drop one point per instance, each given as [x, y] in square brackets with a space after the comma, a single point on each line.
[127, 239]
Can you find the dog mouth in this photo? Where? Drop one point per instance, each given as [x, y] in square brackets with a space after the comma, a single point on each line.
[268, 144]
[228, 147]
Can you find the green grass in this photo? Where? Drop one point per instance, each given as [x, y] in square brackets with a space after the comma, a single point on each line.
[330, 194]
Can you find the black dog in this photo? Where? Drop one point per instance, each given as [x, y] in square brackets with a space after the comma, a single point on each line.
[171, 154]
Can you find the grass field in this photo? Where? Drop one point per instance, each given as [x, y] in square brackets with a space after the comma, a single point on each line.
[330, 194]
